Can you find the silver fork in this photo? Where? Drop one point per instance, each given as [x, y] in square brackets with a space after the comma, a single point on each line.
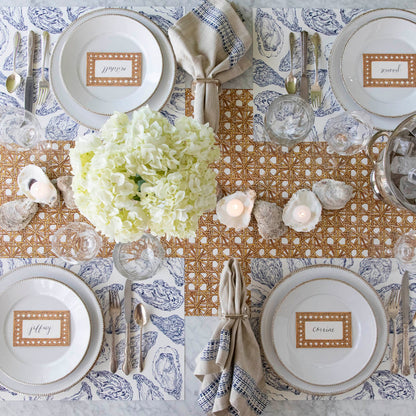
[43, 86]
[393, 308]
[316, 92]
[114, 313]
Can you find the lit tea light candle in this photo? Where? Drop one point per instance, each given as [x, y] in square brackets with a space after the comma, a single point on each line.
[302, 214]
[40, 190]
[234, 208]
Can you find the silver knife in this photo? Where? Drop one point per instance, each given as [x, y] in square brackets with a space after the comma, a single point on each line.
[29, 78]
[127, 316]
[405, 320]
[303, 90]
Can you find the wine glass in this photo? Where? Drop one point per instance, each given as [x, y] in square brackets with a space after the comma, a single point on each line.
[405, 251]
[139, 260]
[76, 242]
[288, 120]
[19, 129]
[348, 133]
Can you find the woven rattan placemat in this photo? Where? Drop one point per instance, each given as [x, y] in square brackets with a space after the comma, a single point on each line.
[364, 228]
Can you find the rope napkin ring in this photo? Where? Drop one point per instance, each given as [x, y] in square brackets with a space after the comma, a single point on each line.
[235, 316]
[215, 81]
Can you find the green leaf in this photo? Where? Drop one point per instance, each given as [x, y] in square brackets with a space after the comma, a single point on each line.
[139, 182]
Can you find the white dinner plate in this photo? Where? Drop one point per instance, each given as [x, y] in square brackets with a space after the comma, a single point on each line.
[93, 120]
[279, 293]
[41, 365]
[387, 35]
[90, 301]
[120, 34]
[325, 366]
[335, 61]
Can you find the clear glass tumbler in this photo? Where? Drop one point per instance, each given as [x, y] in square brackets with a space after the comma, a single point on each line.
[139, 259]
[76, 242]
[288, 120]
[405, 251]
[19, 129]
[348, 133]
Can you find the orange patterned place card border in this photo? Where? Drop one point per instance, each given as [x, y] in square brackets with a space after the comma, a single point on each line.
[334, 333]
[128, 65]
[35, 325]
[389, 70]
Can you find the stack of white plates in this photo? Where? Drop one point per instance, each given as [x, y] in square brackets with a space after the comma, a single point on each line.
[382, 31]
[48, 369]
[324, 371]
[111, 31]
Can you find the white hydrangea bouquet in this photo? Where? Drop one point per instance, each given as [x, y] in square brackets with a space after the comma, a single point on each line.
[144, 173]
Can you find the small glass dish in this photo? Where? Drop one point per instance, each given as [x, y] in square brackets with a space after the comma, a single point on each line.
[288, 120]
[348, 133]
[405, 251]
[76, 242]
[139, 260]
[19, 129]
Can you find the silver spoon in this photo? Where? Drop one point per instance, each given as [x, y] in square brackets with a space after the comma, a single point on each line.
[140, 316]
[14, 79]
[291, 81]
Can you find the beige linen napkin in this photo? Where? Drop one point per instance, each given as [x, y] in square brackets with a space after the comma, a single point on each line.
[210, 42]
[230, 366]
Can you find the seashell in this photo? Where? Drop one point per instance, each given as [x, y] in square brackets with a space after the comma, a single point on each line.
[64, 185]
[167, 371]
[269, 220]
[302, 200]
[36, 186]
[333, 194]
[16, 215]
[242, 219]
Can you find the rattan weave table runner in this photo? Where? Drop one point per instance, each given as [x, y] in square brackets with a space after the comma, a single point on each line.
[366, 227]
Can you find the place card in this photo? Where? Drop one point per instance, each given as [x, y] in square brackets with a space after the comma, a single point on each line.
[41, 328]
[389, 70]
[114, 69]
[323, 330]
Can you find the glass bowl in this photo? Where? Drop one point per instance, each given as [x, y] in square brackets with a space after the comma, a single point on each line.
[288, 120]
[76, 242]
[139, 260]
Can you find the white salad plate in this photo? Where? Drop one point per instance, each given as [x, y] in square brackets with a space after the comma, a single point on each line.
[387, 35]
[309, 274]
[325, 366]
[116, 34]
[96, 323]
[42, 364]
[335, 64]
[91, 119]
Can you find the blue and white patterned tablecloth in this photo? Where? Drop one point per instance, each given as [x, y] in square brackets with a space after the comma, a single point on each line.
[271, 58]
[58, 125]
[384, 275]
[163, 295]
[163, 337]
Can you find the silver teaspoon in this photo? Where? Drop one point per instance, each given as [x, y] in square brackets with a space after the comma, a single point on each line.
[291, 81]
[14, 79]
[140, 316]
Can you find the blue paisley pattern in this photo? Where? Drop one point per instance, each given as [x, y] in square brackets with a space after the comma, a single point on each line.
[384, 275]
[163, 339]
[271, 59]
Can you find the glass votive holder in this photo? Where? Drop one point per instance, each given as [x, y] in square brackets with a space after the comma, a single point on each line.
[288, 120]
[405, 251]
[348, 133]
[20, 130]
[76, 242]
[139, 260]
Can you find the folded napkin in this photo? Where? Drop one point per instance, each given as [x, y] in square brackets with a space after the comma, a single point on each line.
[230, 366]
[210, 43]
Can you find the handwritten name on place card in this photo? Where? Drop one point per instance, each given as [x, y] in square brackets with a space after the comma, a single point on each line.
[389, 70]
[41, 328]
[114, 69]
[323, 330]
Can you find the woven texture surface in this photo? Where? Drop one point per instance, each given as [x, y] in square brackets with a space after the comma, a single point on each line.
[364, 228]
